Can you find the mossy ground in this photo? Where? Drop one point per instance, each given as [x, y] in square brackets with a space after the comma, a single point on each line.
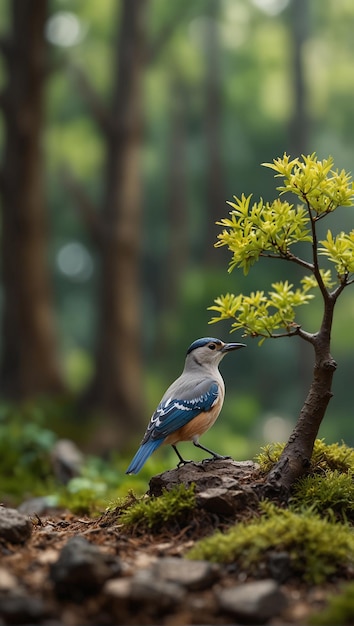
[333, 456]
[339, 611]
[314, 532]
[316, 548]
[153, 513]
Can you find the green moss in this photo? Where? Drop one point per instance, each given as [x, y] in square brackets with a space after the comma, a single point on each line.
[269, 455]
[328, 493]
[151, 513]
[340, 609]
[83, 496]
[316, 548]
[334, 456]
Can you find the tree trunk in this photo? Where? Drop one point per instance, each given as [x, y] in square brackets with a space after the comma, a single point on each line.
[117, 386]
[296, 456]
[176, 249]
[300, 124]
[29, 361]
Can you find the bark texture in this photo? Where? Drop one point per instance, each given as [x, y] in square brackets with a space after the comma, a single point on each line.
[29, 361]
[295, 459]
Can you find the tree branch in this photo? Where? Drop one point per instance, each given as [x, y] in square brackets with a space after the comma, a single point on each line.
[289, 257]
[298, 331]
[344, 283]
[310, 337]
[316, 268]
[84, 205]
[291, 333]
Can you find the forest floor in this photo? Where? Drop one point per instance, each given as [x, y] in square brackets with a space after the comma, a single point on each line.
[116, 580]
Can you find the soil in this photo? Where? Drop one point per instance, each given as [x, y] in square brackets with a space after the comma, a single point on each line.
[28, 593]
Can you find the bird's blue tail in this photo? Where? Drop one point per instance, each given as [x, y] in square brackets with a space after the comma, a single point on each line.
[142, 455]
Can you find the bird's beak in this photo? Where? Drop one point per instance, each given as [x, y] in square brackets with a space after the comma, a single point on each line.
[232, 346]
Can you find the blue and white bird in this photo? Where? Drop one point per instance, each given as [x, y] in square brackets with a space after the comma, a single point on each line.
[190, 405]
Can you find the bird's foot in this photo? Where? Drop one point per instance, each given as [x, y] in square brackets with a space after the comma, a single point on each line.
[216, 457]
[183, 462]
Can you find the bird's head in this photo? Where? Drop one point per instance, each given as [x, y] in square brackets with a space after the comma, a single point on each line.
[210, 351]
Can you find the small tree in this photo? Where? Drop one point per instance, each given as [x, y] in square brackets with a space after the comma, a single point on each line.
[272, 230]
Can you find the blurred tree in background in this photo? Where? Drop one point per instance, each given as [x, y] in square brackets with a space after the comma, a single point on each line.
[116, 229]
[155, 113]
[29, 362]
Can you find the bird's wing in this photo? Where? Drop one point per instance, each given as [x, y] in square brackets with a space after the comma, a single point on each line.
[173, 413]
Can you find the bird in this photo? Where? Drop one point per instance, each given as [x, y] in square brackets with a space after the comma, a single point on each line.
[191, 405]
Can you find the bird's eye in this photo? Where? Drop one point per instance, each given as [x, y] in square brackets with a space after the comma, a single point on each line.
[212, 346]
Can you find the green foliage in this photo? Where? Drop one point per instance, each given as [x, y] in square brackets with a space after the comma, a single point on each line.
[262, 227]
[316, 182]
[317, 548]
[152, 513]
[84, 496]
[25, 445]
[269, 455]
[340, 251]
[328, 489]
[340, 609]
[99, 483]
[335, 457]
[327, 493]
[260, 315]
[26, 470]
[272, 230]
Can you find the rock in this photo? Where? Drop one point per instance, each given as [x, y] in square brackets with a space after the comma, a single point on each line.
[14, 527]
[205, 475]
[66, 459]
[117, 595]
[8, 582]
[162, 586]
[279, 566]
[82, 569]
[142, 592]
[194, 575]
[38, 505]
[21, 609]
[254, 602]
[220, 484]
[156, 594]
[163, 583]
[118, 588]
[226, 500]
